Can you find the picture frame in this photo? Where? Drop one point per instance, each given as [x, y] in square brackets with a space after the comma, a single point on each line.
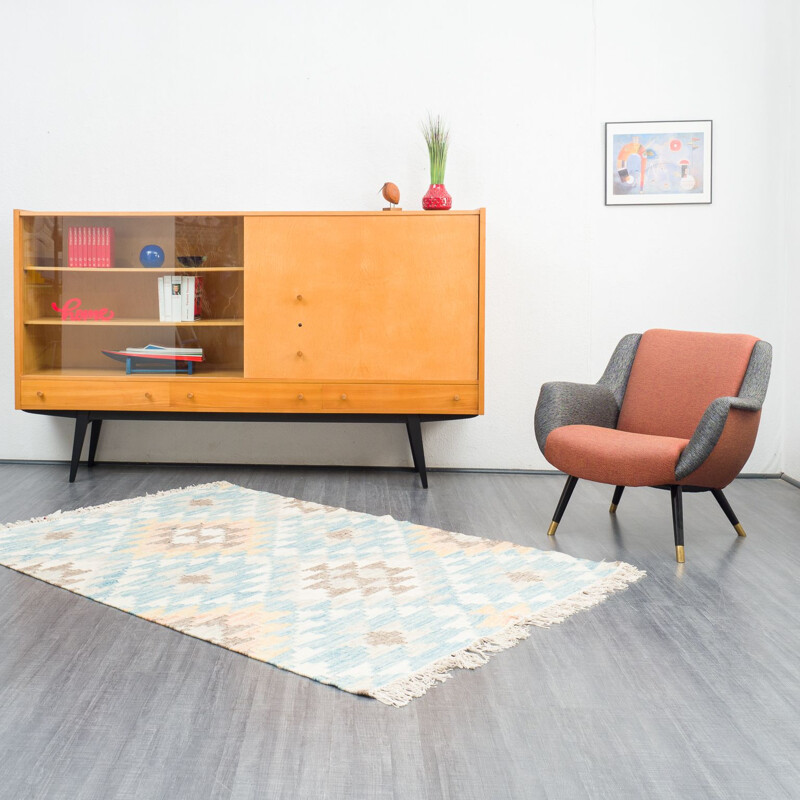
[658, 162]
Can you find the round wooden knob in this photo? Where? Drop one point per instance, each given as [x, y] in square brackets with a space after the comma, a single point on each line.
[344, 397]
[40, 394]
[299, 353]
[148, 395]
[456, 397]
[300, 396]
[190, 395]
[299, 297]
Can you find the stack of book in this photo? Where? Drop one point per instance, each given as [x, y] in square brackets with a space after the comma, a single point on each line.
[180, 298]
[157, 358]
[166, 353]
[90, 247]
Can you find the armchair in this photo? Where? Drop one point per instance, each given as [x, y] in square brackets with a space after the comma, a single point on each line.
[674, 410]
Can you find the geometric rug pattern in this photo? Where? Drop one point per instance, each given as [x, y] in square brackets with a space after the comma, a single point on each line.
[372, 605]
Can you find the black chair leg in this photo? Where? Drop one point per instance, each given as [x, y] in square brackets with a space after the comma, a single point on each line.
[562, 504]
[677, 521]
[615, 499]
[726, 507]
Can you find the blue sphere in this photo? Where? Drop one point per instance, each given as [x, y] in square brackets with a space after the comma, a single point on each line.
[151, 256]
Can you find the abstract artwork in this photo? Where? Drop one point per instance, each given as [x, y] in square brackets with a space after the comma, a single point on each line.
[658, 162]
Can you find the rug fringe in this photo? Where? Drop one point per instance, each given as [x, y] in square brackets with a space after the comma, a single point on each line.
[403, 691]
[113, 503]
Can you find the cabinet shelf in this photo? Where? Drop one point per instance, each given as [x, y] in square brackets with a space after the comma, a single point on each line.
[117, 270]
[134, 322]
[203, 370]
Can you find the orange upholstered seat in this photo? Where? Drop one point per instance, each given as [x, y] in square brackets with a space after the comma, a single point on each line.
[612, 456]
[674, 409]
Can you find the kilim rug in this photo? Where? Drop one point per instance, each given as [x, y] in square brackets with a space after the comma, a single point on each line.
[373, 605]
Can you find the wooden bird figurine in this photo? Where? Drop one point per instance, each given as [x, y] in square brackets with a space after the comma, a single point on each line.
[391, 194]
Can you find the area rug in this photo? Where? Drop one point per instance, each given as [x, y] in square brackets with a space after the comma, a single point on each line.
[372, 605]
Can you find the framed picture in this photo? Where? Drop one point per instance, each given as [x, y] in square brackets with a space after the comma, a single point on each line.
[651, 163]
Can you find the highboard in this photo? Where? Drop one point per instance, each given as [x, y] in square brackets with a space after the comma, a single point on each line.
[301, 316]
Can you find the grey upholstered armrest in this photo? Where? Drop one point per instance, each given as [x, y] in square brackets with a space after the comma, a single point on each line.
[562, 403]
[712, 423]
[708, 431]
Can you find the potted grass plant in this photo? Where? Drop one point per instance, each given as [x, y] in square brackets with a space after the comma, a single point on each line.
[437, 137]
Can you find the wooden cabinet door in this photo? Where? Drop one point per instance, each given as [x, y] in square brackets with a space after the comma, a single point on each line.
[376, 297]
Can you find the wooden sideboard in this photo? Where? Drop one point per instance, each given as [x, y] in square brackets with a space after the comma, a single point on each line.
[310, 316]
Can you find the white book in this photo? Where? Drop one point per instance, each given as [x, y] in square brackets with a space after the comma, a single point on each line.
[161, 307]
[167, 294]
[188, 300]
[175, 298]
[184, 295]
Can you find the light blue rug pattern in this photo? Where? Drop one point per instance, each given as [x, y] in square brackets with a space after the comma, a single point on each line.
[373, 605]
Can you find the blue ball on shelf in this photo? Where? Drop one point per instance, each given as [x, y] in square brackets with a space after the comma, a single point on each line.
[151, 256]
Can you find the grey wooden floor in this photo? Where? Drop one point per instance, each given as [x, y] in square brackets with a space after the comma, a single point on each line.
[686, 685]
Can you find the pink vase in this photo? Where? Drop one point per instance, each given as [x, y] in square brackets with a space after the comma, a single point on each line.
[437, 198]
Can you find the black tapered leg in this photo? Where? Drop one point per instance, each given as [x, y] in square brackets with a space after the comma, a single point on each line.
[414, 429]
[94, 438]
[726, 507]
[676, 493]
[569, 487]
[81, 423]
[615, 499]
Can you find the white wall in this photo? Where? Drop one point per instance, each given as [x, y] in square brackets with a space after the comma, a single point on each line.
[313, 105]
[791, 86]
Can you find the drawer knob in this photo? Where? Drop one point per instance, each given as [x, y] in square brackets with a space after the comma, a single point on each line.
[299, 353]
[40, 394]
[300, 396]
[148, 395]
[299, 297]
[456, 397]
[190, 395]
[344, 397]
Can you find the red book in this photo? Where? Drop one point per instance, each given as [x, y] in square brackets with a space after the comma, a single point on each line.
[198, 297]
[80, 247]
[93, 247]
[110, 247]
[71, 248]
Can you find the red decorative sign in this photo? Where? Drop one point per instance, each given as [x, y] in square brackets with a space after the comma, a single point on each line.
[72, 310]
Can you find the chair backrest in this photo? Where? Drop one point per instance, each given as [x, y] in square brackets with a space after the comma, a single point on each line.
[676, 374]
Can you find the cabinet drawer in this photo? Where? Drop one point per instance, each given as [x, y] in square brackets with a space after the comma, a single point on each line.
[191, 395]
[94, 395]
[388, 398]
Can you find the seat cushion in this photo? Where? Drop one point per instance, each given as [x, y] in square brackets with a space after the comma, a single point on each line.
[676, 374]
[612, 456]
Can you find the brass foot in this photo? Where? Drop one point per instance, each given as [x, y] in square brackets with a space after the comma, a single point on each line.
[679, 557]
[739, 529]
[552, 529]
[612, 508]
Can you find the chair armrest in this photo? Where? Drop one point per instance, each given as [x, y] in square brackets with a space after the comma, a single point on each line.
[708, 432]
[561, 403]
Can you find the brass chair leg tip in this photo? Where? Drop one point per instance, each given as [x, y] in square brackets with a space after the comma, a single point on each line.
[552, 529]
[739, 529]
[679, 555]
[612, 508]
